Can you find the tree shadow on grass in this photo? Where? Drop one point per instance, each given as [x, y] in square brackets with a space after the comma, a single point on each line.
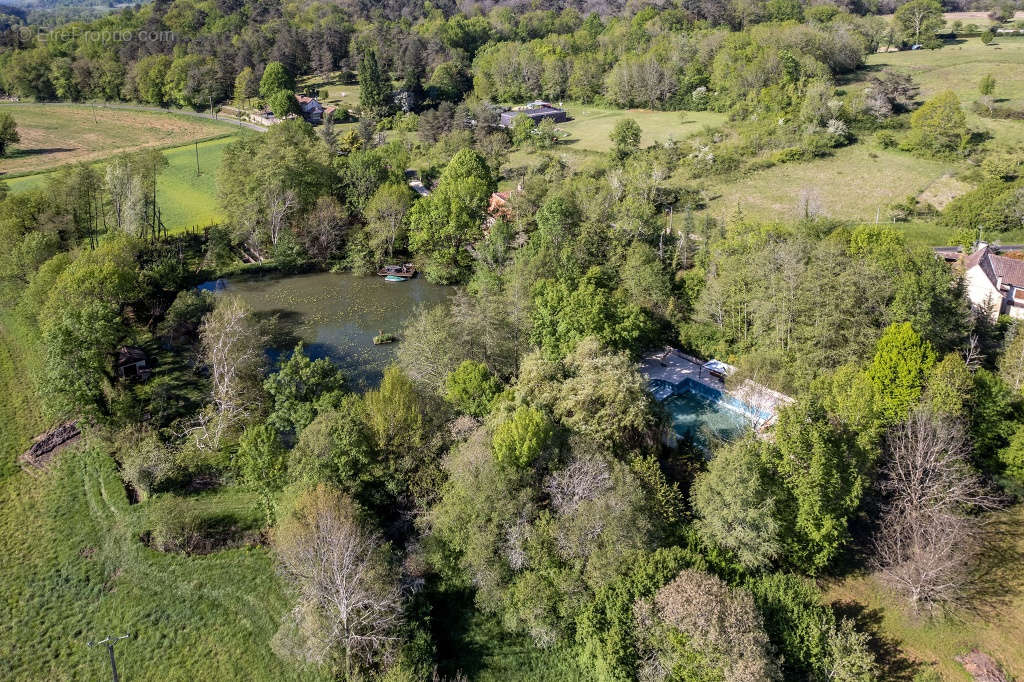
[37, 151]
[997, 579]
[894, 665]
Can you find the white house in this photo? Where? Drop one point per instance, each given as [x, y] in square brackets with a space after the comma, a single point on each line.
[995, 282]
[312, 110]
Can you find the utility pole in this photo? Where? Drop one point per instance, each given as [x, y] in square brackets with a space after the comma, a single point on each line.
[197, 158]
[110, 642]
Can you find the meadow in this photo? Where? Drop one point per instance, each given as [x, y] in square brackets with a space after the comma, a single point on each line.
[860, 182]
[591, 126]
[74, 569]
[52, 135]
[959, 66]
[185, 199]
[587, 135]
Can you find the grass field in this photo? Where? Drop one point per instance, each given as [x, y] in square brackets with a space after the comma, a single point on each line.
[52, 135]
[591, 126]
[859, 182]
[852, 184]
[342, 95]
[997, 630]
[184, 198]
[587, 134]
[73, 569]
[960, 67]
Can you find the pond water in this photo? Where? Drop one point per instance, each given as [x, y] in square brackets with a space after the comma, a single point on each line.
[695, 417]
[336, 315]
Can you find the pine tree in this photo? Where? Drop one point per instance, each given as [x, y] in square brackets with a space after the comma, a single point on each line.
[374, 88]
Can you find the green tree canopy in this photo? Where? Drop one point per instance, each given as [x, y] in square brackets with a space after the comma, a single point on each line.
[300, 388]
[275, 78]
[625, 137]
[736, 504]
[8, 132]
[939, 127]
[375, 91]
[900, 370]
[520, 440]
[472, 388]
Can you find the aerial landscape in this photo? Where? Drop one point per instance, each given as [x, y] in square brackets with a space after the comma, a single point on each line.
[512, 340]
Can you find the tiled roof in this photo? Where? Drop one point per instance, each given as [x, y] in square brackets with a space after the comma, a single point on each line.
[1011, 270]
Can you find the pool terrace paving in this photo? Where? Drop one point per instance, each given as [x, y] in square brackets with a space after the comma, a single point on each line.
[674, 367]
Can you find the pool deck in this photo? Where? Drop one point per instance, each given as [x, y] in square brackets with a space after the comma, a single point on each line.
[673, 367]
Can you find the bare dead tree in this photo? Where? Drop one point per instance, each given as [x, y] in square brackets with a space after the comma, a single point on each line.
[584, 479]
[280, 204]
[323, 229]
[350, 598]
[972, 354]
[931, 533]
[232, 347]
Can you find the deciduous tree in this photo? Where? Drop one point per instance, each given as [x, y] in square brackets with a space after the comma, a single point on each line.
[350, 603]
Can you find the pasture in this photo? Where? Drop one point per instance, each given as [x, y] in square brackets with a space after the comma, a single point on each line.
[56, 134]
[185, 199]
[74, 568]
[855, 183]
[959, 66]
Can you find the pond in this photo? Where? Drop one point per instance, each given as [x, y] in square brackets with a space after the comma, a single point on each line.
[336, 315]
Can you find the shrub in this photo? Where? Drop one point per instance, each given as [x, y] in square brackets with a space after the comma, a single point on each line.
[174, 525]
[885, 139]
[993, 205]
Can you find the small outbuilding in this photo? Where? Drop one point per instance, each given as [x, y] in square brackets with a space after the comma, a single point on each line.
[536, 111]
[131, 362]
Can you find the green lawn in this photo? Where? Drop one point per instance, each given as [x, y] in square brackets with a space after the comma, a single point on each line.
[343, 95]
[185, 199]
[587, 134]
[591, 126]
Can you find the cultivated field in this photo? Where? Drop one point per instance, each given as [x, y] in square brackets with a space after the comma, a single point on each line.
[52, 135]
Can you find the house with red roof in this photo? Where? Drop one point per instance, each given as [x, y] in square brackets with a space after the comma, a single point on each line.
[994, 282]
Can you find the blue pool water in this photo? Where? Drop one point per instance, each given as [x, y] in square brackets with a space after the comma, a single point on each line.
[696, 417]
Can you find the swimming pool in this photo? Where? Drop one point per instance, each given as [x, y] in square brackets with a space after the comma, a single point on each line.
[695, 417]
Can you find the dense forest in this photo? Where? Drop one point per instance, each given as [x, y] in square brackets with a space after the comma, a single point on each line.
[511, 466]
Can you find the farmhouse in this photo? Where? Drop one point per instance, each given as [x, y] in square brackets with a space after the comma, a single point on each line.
[995, 283]
[537, 111]
[312, 110]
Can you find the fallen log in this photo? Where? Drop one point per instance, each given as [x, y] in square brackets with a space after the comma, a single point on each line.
[46, 445]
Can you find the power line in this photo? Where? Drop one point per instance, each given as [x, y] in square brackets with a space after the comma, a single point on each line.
[110, 641]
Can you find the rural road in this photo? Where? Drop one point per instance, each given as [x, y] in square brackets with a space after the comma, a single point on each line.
[140, 107]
